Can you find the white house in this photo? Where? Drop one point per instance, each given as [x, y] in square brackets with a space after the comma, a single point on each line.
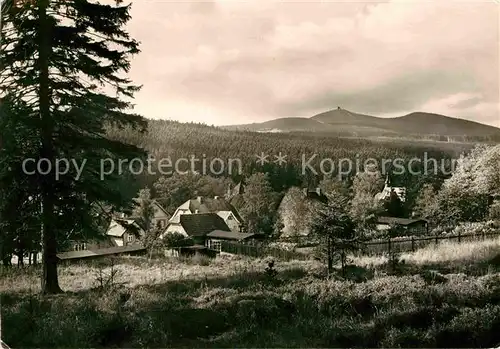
[201, 204]
[160, 216]
[388, 189]
[124, 232]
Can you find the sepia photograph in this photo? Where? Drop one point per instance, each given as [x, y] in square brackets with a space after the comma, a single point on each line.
[249, 174]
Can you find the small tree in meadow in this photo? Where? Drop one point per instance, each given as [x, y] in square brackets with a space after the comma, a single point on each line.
[257, 210]
[335, 231]
[145, 213]
[176, 240]
[278, 227]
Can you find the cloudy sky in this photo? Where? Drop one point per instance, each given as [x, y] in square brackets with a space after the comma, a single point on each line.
[229, 62]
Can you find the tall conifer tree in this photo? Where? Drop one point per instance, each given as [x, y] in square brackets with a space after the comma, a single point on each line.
[61, 57]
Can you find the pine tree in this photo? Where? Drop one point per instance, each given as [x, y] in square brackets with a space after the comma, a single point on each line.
[335, 231]
[59, 57]
[19, 211]
[393, 205]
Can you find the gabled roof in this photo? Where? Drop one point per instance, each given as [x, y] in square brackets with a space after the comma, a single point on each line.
[100, 252]
[400, 221]
[237, 201]
[229, 235]
[239, 188]
[314, 195]
[154, 203]
[386, 193]
[200, 224]
[118, 227]
[211, 205]
[224, 214]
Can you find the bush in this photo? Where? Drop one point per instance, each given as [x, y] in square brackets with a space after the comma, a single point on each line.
[473, 228]
[198, 259]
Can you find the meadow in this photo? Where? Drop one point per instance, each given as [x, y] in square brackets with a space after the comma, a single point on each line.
[440, 296]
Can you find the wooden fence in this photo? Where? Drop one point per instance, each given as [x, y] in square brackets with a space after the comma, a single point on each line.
[260, 251]
[411, 244]
[374, 247]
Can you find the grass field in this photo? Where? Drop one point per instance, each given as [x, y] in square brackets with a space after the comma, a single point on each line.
[443, 296]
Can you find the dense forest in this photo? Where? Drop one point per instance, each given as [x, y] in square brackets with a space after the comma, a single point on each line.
[174, 140]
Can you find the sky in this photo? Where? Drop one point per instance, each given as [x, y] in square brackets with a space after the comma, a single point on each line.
[232, 62]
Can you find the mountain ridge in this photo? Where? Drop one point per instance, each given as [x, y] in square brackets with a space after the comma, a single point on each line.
[344, 121]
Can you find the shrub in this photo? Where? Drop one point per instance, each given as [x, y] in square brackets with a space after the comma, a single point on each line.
[199, 259]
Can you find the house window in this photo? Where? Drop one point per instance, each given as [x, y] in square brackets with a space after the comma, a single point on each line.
[130, 238]
[215, 245]
[80, 247]
[229, 217]
[21, 3]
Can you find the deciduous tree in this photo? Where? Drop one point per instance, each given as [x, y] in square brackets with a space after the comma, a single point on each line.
[258, 210]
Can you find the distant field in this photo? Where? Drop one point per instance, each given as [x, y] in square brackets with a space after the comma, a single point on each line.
[444, 296]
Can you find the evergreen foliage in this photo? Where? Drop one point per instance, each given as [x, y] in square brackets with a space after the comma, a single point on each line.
[60, 60]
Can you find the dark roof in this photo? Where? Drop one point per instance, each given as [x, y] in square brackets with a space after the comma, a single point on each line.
[315, 194]
[200, 224]
[194, 247]
[100, 252]
[229, 235]
[153, 202]
[239, 188]
[237, 201]
[400, 221]
[212, 205]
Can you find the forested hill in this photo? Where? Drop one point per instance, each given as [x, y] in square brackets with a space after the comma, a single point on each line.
[417, 125]
[182, 140]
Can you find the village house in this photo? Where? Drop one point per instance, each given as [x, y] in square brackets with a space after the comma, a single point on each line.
[205, 229]
[216, 205]
[196, 226]
[160, 216]
[122, 237]
[120, 232]
[412, 226]
[385, 194]
[124, 232]
[216, 237]
[296, 210]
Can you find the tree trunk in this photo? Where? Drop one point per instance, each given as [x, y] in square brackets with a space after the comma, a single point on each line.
[342, 262]
[20, 259]
[7, 260]
[330, 258]
[49, 282]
